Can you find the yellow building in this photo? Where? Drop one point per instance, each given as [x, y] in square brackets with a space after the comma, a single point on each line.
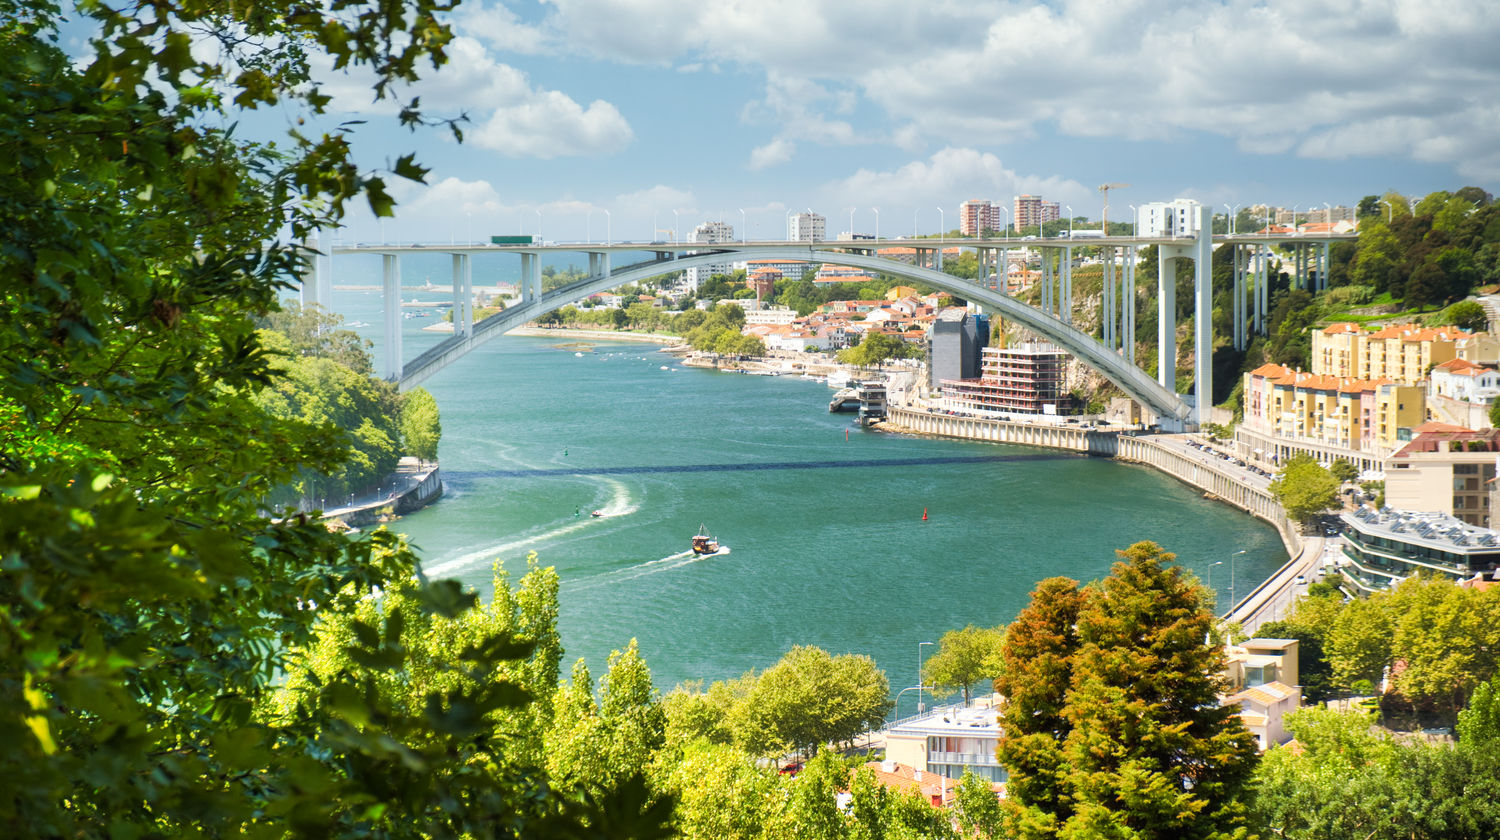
[1402, 353]
[1289, 411]
[1398, 407]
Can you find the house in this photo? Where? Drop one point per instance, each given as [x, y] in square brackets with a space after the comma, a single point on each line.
[936, 789]
[1263, 676]
[1445, 469]
[949, 740]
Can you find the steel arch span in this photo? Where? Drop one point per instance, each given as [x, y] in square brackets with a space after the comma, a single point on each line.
[1129, 378]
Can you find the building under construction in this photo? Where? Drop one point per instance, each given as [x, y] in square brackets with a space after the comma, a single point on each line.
[1029, 378]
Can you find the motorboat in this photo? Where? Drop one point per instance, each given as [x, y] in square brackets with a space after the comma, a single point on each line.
[704, 543]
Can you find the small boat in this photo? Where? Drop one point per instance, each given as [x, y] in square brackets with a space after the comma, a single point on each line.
[596, 514]
[704, 543]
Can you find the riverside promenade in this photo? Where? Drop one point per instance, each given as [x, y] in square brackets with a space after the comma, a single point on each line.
[414, 485]
[1220, 479]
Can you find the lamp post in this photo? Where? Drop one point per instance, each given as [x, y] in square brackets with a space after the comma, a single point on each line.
[744, 226]
[539, 238]
[1231, 208]
[851, 224]
[1070, 221]
[608, 228]
[1211, 575]
[942, 225]
[877, 223]
[1007, 220]
[1389, 209]
[1232, 601]
[914, 223]
[920, 707]
[676, 237]
[1294, 217]
[588, 227]
[1135, 222]
[469, 231]
[789, 214]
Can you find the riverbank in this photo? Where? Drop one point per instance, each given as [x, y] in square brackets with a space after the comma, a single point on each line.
[414, 486]
[1167, 454]
[597, 335]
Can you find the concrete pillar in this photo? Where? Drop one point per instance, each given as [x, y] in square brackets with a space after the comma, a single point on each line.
[390, 365]
[1323, 274]
[1002, 277]
[1067, 296]
[1046, 297]
[1166, 319]
[1203, 329]
[458, 294]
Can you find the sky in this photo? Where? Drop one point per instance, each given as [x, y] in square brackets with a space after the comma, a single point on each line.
[898, 111]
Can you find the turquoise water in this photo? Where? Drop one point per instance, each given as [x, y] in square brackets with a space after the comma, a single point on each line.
[827, 545]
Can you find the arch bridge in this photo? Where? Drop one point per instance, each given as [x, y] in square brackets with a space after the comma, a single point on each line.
[1112, 357]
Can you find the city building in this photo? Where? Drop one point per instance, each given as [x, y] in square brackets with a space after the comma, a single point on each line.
[1263, 677]
[710, 232]
[1032, 211]
[949, 740]
[806, 227]
[775, 315]
[978, 215]
[1168, 218]
[1403, 353]
[1445, 469]
[789, 269]
[1384, 547]
[954, 345]
[762, 281]
[1462, 380]
[1330, 216]
[1289, 412]
[1029, 378]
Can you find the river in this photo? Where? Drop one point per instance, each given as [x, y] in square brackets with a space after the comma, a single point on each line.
[824, 521]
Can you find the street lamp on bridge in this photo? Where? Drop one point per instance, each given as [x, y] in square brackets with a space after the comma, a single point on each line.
[676, 237]
[1135, 222]
[1210, 573]
[744, 227]
[942, 225]
[1070, 221]
[920, 708]
[608, 228]
[1232, 602]
[1231, 208]
[877, 222]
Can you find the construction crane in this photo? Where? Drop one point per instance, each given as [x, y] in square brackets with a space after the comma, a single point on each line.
[1104, 217]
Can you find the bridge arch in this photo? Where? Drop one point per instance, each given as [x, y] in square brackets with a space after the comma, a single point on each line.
[1132, 380]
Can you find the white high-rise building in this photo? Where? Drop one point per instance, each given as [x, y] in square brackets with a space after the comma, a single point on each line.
[1175, 218]
[806, 227]
[710, 232]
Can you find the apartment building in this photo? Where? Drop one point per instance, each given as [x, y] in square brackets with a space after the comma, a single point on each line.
[1288, 412]
[1032, 211]
[1384, 547]
[1446, 469]
[1168, 218]
[1403, 353]
[710, 232]
[978, 215]
[806, 227]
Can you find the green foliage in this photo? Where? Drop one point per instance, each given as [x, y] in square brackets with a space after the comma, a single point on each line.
[963, 658]
[1343, 471]
[810, 698]
[1133, 742]
[1304, 488]
[1466, 315]
[877, 347]
[979, 811]
[421, 425]
[1352, 780]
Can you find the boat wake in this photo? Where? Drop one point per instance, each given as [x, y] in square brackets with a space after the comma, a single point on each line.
[650, 567]
[620, 504]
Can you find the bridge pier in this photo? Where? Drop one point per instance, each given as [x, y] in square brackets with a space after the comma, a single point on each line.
[390, 362]
[1166, 316]
[316, 277]
[463, 295]
[1203, 329]
[1128, 342]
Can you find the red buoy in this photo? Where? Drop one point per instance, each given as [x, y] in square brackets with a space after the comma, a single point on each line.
[924, 514]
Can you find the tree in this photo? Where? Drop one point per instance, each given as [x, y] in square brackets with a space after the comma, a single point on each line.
[1151, 750]
[1466, 315]
[1118, 727]
[1037, 673]
[808, 699]
[979, 811]
[421, 425]
[152, 599]
[1305, 488]
[965, 657]
[1343, 471]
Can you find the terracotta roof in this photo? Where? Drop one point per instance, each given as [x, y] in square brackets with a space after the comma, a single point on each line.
[1268, 694]
[1344, 328]
[1271, 369]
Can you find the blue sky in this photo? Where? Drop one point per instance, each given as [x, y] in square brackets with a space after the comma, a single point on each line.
[643, 107]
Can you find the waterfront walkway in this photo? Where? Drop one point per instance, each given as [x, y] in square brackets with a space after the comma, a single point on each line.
[414, 484]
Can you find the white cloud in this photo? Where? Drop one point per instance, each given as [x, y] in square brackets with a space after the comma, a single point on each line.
[949, 172]
[774, 153]
[1272, 76]
[549, 124]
